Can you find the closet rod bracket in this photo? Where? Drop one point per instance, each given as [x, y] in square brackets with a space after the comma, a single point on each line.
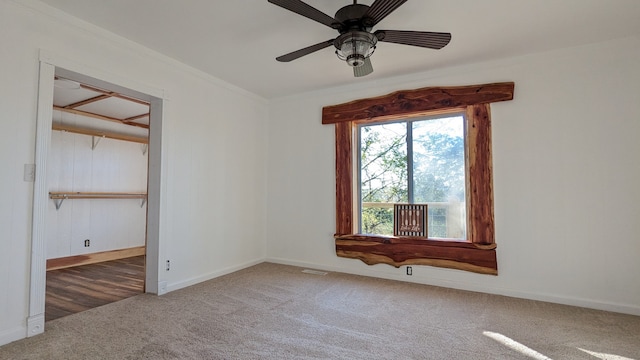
[95, 140]
[58, 202]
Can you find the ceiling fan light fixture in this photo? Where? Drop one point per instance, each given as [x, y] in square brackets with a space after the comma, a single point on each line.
[356, 43]
[355, 46]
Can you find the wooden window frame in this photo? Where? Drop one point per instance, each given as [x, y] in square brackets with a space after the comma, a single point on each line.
[478, 253]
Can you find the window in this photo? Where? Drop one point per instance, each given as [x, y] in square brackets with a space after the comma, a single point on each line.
[413, 161]
[478, 252]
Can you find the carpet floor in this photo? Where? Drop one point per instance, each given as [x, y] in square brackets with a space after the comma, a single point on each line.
[272, 311]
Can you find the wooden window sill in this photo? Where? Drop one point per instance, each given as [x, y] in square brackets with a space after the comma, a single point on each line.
[399, 251]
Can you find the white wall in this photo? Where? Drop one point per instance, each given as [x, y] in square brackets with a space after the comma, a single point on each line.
[565, 168]
[213, 197]
[566, 175]
[113, 166]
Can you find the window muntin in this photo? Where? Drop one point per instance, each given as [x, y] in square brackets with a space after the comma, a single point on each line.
[415, 161]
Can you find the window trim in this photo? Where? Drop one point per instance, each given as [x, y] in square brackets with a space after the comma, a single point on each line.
[478, 254]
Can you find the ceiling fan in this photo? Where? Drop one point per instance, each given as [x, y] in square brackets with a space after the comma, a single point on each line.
[356, 42]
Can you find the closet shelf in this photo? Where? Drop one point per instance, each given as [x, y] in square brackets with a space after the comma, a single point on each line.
[97, 134]
[59, 196]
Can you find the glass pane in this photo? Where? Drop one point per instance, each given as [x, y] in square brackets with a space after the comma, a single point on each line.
[439, 174]
[383, 175]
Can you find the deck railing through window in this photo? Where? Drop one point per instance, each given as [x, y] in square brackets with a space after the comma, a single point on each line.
[444, 219]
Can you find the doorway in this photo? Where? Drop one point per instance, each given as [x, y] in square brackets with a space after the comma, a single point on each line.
[52, 66]
[97, 178]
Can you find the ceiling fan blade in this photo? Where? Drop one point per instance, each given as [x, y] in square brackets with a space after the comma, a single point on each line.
[381, 8]
[364, 69]
[306, 51]
[307, 11]
[431, 40]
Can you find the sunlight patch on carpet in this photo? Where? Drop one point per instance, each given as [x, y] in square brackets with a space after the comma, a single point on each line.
[512, 344]
[604, 356]
[314, 272]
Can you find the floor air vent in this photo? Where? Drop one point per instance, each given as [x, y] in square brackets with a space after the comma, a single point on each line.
[314, 272]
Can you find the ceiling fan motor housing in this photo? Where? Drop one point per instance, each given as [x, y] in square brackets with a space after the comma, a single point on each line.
[356, 42]
[352, 16]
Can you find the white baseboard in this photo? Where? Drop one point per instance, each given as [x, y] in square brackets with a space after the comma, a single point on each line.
[11, 335]
[552, 298]
[211, 275]
[162, 288]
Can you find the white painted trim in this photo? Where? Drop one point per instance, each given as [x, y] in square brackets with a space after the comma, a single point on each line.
[162, 287]
[372, 272]
[35, 323]
[155, 199]
[212, 275]
[37, 285]
[11, 335]
[62, 62]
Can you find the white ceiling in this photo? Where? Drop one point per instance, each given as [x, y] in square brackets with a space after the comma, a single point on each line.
[238, 40]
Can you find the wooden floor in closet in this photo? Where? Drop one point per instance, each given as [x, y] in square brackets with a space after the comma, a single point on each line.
[76, 289]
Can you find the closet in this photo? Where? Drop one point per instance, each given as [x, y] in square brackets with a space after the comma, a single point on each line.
[97, 178]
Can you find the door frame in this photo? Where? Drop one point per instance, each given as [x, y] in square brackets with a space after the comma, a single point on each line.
[50, 66]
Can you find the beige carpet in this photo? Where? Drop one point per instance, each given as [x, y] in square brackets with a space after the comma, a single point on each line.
[273, 311]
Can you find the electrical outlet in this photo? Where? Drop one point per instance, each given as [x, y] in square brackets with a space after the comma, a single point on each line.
[409, 271]
[87, 243]
[168, 265]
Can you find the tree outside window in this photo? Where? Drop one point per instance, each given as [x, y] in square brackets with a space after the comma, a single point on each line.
[416, 161]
